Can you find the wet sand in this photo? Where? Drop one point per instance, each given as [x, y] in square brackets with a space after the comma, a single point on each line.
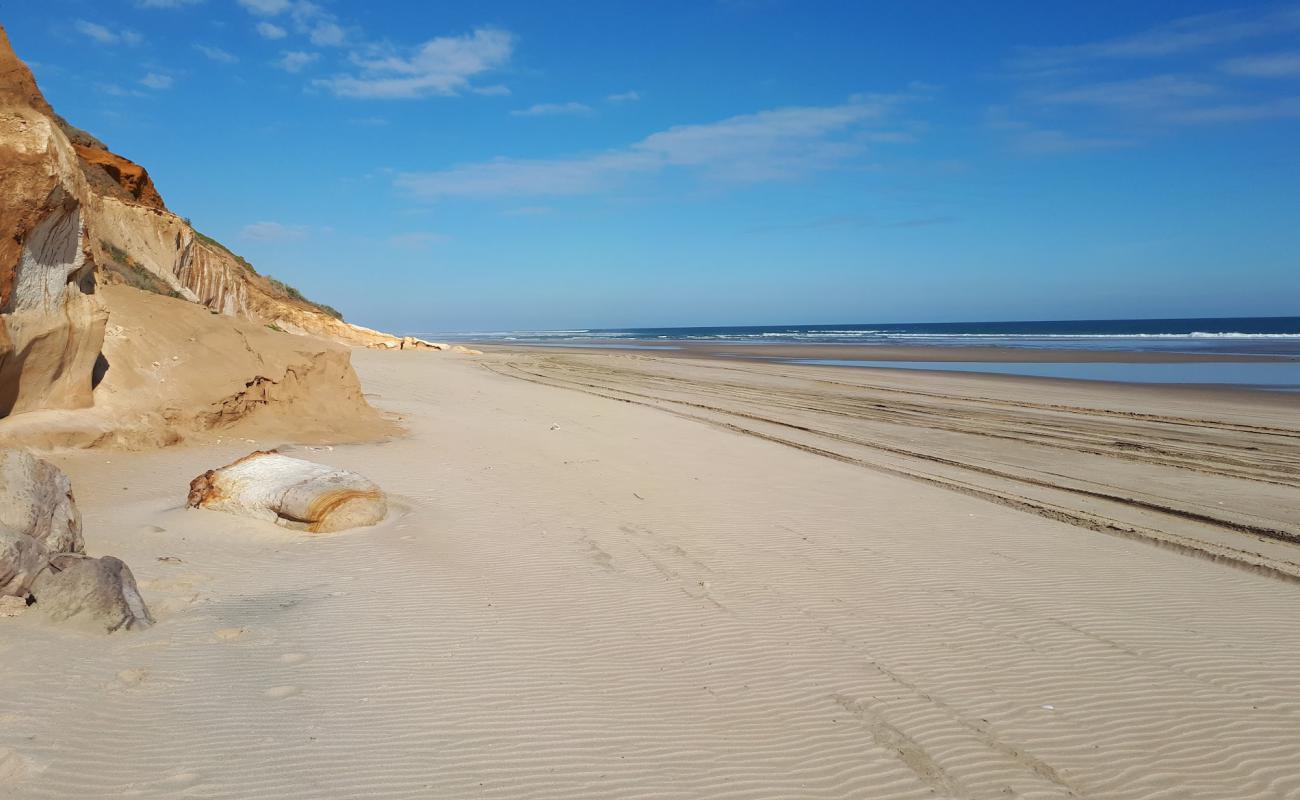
[852, 352]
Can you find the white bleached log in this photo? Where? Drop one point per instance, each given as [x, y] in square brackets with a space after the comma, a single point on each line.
[290, 492]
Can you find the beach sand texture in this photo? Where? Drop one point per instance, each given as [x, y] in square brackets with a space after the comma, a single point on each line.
[777, 590]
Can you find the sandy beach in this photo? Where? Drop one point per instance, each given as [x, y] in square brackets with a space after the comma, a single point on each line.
[621, 575]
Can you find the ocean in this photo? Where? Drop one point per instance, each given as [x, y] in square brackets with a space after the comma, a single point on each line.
[1218, 336]
[1230, 335]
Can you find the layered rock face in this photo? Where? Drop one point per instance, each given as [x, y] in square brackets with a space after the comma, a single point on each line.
[130, 176]
[206, 347]
[51, 324]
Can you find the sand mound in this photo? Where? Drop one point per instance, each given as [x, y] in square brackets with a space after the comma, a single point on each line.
[175, 371]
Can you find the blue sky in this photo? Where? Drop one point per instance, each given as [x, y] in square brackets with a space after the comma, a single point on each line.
[511, 165]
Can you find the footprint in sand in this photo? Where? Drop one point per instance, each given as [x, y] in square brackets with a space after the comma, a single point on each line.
[13, 767]
[294, 659]
[228, 634]
[281, 692]
[180, 780]
[132, 677]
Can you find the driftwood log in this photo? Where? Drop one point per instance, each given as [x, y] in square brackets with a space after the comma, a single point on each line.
[290, 492]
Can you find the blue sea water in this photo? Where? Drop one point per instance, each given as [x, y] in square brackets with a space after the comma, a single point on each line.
[1225, 337]
[1229, 335]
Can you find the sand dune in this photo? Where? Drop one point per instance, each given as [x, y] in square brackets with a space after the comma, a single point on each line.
[578, 597]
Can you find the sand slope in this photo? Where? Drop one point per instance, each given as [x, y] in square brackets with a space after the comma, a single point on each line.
[585, 598]
[174, 371]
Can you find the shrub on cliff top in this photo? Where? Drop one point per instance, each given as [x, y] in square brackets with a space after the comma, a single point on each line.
[294, 294]
[133, 273]
[279, 286]
[208, 240]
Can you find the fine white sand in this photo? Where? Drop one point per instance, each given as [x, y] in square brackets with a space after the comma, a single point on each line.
[580, 597]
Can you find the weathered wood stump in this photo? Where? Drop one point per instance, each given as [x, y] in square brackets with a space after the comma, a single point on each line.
[290, 492]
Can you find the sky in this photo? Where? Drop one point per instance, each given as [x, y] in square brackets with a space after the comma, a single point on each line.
[439, 166]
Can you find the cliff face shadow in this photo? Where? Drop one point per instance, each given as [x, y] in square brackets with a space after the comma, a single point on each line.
[98, 372]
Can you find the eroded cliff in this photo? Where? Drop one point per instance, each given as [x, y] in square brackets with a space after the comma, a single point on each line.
[113, 306]
[51, 323]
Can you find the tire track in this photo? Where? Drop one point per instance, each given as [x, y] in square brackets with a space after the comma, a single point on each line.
[795, 417]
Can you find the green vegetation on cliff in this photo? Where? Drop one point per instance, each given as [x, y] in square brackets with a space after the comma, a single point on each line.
[282, 288]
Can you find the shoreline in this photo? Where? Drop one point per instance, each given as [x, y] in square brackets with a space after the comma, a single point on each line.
[855, 352]
[790, 356]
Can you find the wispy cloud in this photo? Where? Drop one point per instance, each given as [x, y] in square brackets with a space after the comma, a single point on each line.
[417, 241]
[268, 30]
[114, 90]
[327, 34]
[1029, 139]
[1280, 108]
[623, 97]
[157, 80]
[296, 60]
[217, 54]
[441, 66]
[1274, 65]
[1138, 108]
[273, 232]
[1141, 93]
[770, 145]
[551, 109]
[1051, 142]
[267, 8]
[853, 221]
[1174, 38]
[320, 26]
[106, 35]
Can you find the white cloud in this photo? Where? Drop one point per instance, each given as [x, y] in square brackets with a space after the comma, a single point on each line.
[327, 34]
[1057, 78]
[770, 145]
[272, 232]
[1281, 108]
[296, 60]
[217, 54]
[550, 109]
[268, 30]
[441, 66]
[1276, 65]
[266, 8]
[624, 97]
[114, 90]
[1171, 39]
[1048, 142]
[157, 80]
[1141, 93]
[105, 35]
[417, 241]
